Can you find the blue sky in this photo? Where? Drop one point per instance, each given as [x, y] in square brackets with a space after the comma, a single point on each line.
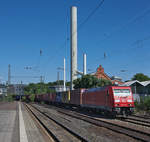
[26, 26]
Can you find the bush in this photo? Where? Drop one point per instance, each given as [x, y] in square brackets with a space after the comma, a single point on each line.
[32, 97]
[23, 99]
[143, 105]
[9, 98]
[147, 103]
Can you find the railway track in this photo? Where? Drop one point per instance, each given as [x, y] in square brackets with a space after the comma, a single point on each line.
[144, 116]
[135, 121]
[131, 132]
[56, 130]
[136, 134]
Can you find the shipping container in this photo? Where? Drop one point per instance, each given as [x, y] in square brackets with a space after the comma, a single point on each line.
[66, 97]
[53, 97]
[58, 97]
[76, 96]
[97, 98]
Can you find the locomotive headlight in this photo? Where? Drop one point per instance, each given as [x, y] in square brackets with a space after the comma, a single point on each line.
[131, 109]
[117, 109]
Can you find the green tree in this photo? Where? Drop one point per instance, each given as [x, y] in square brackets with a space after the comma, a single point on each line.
[41, 88]
[60, 82]
[103, 82]
[140, 77]
[90, 81]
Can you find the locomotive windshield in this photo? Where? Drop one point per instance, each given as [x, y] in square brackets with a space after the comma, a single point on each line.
[121, 92]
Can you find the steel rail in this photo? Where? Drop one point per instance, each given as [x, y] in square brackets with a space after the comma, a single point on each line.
[45, 127]
[144, 117]
[135, 121]
[63, 126]
[136, 134]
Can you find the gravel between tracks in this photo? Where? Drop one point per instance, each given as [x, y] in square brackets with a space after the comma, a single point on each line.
[141, 119]
[130, 125]
[87, 130]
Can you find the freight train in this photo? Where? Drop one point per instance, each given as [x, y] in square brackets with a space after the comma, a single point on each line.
[110, 100]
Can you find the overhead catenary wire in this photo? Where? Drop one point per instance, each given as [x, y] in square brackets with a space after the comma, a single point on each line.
[91, 14]
[137, 17]
[36, 67]
[133, 20]
[139, 42]
[79, 28]
[124, 25]
[87, 19]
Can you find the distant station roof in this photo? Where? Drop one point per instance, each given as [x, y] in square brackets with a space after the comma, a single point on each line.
[145, 83]
[129, 83]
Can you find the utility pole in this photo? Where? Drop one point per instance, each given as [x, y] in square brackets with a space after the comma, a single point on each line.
[9, 75]
[58, 77]
[84, 64]
[64, 74]
[41, 79]
[9, 80]
[73, 45]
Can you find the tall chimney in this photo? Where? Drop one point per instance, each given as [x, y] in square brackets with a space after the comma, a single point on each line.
[73, 44]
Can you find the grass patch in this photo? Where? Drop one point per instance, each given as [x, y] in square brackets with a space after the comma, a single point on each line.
[143, 106]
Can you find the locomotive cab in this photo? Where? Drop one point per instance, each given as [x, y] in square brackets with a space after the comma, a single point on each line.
[123, 100]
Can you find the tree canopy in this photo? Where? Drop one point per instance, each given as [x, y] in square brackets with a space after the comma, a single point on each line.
[37, 88]
[89, 81]
[86, 81]
[140, 77]
[41, 88]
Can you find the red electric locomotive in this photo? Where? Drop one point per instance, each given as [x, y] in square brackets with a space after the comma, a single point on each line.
[114, 100]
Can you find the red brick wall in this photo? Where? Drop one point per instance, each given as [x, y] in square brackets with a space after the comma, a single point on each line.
[101, 74]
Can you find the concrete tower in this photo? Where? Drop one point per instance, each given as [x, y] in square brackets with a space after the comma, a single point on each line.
[73, 44]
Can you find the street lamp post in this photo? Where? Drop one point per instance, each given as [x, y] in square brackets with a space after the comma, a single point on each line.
[60, 68]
